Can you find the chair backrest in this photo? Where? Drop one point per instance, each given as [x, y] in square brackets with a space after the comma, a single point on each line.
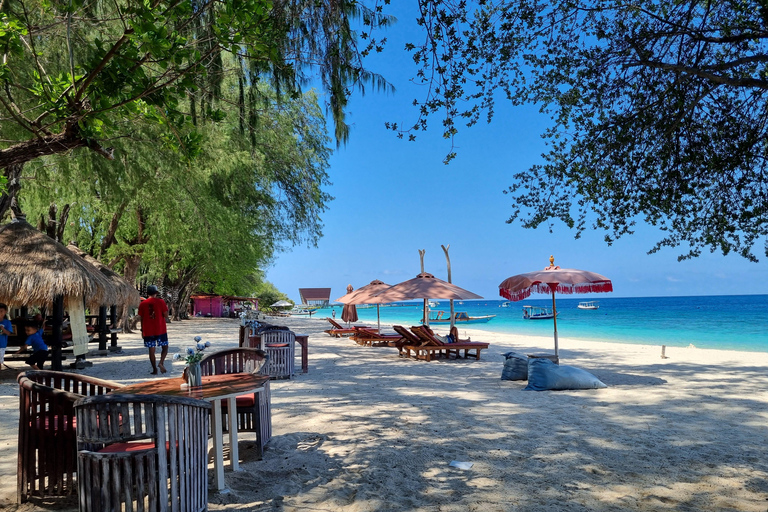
[334, 323]
[270, 327]
[234, 360]
[277, 337]
[426, 335]
[405, 333]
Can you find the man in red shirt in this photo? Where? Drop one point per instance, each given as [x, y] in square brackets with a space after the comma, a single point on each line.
[154, 315]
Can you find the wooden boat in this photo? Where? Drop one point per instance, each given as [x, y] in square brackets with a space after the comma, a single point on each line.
[537, 313]
[460, 317]
[590, 304]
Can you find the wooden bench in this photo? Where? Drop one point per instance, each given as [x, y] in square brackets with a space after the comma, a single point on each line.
[431, 346]
[47, 459]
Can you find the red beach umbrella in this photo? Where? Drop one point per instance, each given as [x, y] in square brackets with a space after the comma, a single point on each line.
[425, 286]
[366, 295]
[554, 279]
[349, 312]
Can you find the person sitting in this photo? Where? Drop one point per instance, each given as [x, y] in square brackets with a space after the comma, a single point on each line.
[35, 340]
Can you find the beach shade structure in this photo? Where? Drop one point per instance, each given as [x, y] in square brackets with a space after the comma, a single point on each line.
[425, 286]
[554, 279]
[349, 312]
[37, 270]
[367, 295]
[281, 304]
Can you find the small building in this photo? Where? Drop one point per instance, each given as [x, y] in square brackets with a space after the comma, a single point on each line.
[315, 297]
[210, 305]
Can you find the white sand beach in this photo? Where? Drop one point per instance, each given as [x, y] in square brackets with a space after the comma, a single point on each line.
[365, 430]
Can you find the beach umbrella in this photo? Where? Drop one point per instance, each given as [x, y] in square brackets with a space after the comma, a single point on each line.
[367, 295]
[554, 279]
[425, 286]
[281, 304]
[349, 312]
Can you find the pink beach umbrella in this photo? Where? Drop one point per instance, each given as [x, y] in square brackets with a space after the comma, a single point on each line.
[425, 286]
[554, 279]
[349, 312]
[366, 295]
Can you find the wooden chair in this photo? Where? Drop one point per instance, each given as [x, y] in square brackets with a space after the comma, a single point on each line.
[368, 336]
[47, 449]
[408, 338]
[254, 410]
[279, 345]
[142, 452]
[434, 346]
[338, 330]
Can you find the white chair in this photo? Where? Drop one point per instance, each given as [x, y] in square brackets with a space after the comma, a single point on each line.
[279, 345]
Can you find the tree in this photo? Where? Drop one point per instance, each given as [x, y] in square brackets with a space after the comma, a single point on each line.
[658, 109]
[79, 74]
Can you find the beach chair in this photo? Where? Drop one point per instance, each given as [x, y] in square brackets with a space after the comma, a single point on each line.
[432, 346]
[253, 410]
[47, 449]
[338, 331]
[279, 345]
[142, 452]
[408, 338]
[368, 336]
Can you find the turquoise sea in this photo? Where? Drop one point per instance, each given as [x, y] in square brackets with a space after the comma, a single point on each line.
[732, 322]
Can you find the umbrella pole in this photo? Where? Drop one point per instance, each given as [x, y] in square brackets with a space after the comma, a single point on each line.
[426, 314]
[554, 317]
[378, 317]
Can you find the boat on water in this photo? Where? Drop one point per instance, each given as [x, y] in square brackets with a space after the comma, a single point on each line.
[537, 313]
[460, 317]
[432, 304]
[590, 304]
[505, 304]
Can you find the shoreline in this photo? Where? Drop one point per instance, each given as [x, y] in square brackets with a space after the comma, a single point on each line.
[367, 431]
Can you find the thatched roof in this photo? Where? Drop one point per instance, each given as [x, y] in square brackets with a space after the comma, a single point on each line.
[125, 293]
[34, 268]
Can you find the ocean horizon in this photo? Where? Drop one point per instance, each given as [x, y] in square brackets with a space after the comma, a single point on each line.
[727, 322]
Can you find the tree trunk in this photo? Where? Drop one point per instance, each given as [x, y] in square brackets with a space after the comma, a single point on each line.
[69, 139]
[8, 198]
[130, 273]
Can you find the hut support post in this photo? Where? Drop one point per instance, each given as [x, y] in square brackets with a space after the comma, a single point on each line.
[113, 326]
[56, 338]
[102, 328]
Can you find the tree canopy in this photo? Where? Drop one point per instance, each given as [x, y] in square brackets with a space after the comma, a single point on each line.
[658, 109]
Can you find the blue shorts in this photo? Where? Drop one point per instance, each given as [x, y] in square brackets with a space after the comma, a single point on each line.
[161, 340]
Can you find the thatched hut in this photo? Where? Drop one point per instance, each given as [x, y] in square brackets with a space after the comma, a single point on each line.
[37, 270]
[125, 293]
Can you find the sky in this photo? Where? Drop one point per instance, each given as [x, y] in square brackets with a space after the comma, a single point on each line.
[394, 197]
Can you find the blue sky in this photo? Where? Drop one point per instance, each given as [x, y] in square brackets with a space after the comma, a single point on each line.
[394, 197]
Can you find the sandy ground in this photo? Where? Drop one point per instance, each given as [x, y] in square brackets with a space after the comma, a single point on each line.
[365, 430]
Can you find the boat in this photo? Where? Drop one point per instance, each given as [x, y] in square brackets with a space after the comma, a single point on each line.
[460, 317]
[505, 304]
[590, 304]
[432, 304]
[537, 313]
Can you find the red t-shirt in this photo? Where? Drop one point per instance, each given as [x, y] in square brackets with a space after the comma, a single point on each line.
[152, 312]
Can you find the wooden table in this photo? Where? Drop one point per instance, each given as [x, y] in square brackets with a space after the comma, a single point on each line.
[215, 388]
[301, 339]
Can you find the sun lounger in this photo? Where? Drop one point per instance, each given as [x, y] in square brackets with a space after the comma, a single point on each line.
[408, 338]
[432, 346]
[338, 330]
[368, 336]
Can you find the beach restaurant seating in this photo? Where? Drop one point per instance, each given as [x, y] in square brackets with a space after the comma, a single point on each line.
[338, 330]
[431, 345]
[368, 336]
[279, 345]
[142, 452]
[47, 449]
[253, 410]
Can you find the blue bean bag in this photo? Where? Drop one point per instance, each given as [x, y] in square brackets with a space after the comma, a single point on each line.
[544, 375]
[515, 367]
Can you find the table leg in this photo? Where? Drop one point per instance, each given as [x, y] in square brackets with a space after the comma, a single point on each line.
[234, 450]
[218, 446]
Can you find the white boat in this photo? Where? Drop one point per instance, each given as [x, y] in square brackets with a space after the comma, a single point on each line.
[537, 313]
[590, 304]
[432, 304]
[460, 317]
[505, 304]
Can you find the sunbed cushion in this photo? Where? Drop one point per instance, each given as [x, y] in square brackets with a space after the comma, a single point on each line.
[544, 375]
[515, 367]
